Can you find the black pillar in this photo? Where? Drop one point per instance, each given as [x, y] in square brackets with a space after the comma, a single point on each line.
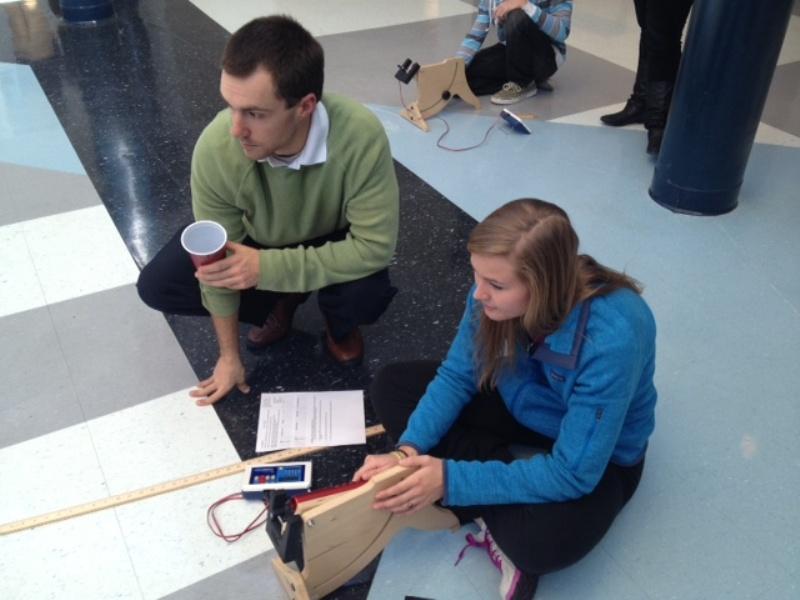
[729, 58]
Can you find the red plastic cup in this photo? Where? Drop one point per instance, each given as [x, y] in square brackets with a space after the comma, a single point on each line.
[205, 242]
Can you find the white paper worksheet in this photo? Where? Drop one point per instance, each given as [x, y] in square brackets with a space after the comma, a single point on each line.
[303, 419]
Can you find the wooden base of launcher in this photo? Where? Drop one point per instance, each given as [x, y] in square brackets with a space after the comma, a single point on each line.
[437, 84]
[342, 534]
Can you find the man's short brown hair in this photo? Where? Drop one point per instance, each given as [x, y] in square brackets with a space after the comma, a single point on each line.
[285, 49]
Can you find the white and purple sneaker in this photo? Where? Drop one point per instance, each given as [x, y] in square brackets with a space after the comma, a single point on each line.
[514, 584]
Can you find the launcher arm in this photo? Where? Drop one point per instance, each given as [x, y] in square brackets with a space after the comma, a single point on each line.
[344, 533]
[436, 86]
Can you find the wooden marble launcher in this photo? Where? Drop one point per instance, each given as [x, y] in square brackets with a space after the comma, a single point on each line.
[436, 86]
[325, 538]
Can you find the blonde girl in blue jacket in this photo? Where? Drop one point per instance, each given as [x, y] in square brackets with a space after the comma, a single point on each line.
[554, 352]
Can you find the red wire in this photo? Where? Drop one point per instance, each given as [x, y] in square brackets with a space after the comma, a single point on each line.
[447, 128]
[465, 148]
[216, 528]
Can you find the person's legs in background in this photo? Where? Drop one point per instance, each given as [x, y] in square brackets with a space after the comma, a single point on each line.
[634, 109]
[525, 60]
[167, 284]
[276, 322]
[530, 58]
[530, 55]
[665, 22]
[486, 74]
[347, 305]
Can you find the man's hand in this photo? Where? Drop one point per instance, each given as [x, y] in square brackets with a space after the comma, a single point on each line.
[506, 7]
[228, 372]
[420, 489]
[238, 271]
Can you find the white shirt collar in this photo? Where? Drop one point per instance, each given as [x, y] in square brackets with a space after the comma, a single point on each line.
[315, 150]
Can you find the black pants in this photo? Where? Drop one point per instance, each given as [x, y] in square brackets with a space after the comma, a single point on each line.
[527, 55]
[662, 22]
[168, 284]
[537, 538]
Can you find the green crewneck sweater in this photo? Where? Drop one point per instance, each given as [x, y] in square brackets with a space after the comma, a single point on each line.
[355, 187]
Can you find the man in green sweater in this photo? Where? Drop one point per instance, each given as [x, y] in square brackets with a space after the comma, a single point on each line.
[304, 186]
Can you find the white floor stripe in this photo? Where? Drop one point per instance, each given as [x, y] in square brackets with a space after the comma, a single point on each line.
[766, 134]
[166, 536]
[82, 559]
[72, 254]
[606, 29]
[170, 544]
[49, 473]
[164, 439]
[341, 17]
[19, 285]
[160, 440]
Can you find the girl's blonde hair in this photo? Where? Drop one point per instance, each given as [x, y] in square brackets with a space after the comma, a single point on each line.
[538, 238]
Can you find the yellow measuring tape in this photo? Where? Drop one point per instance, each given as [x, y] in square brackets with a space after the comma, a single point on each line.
[163, 488]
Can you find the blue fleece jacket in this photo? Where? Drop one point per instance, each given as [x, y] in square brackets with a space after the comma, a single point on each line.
[589, 386]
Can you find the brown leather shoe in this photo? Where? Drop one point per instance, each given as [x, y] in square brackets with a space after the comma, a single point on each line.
[277, 324]
[348, 352]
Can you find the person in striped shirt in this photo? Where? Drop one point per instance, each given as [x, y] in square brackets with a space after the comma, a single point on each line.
[531, 47]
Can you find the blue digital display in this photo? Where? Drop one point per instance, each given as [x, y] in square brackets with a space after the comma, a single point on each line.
[277, 474]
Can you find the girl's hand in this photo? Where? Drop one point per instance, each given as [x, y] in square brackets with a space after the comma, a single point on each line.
[374, 464]
[420, 489]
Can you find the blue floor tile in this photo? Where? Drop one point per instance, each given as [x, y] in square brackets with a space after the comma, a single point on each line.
[30, 133]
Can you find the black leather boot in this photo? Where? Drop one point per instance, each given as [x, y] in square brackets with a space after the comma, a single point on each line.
[633, 111]
[659, 94]
[654, 137]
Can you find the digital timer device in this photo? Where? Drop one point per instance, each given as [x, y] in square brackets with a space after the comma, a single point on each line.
[277, 476]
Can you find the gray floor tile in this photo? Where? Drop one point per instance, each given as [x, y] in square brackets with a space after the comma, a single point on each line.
[583, 82]
[250, 580]
[141, 359]
[29, 193]
[362, 65]
[782, 110]
[37, 396]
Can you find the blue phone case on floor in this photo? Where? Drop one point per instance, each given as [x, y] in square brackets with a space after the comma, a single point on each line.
[514, 121]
